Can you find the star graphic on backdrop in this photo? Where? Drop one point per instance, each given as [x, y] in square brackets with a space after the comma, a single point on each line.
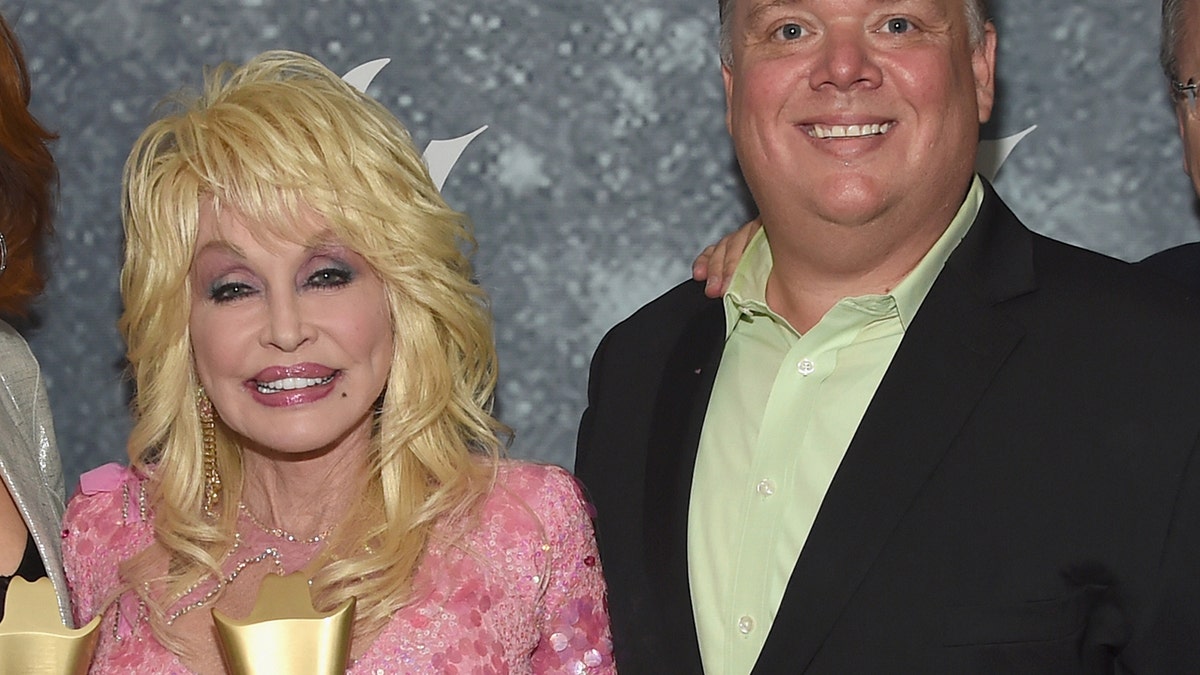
[993, 152]
[440, 155]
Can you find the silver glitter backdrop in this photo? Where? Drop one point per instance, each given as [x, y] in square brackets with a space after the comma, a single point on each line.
[605, 168]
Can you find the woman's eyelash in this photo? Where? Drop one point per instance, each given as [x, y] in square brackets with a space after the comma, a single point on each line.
[229, 291]
[331, 277]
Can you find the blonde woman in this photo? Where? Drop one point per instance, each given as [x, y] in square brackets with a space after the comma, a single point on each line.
[314, 372]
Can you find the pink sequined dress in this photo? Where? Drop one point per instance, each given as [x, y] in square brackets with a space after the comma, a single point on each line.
[525, 594]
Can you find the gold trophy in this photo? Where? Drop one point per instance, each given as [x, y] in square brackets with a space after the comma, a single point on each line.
[33, 639]
[284, 634]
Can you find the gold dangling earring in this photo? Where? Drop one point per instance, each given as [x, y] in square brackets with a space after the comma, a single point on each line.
[208, 433]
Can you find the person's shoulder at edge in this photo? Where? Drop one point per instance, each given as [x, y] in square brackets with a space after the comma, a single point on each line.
[18, 360]
[10, 335]
[1178, 263]
[1135, 289]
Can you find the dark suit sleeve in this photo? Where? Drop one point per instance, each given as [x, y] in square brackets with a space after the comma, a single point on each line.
[583, 441]
[1168, 639]
[1180, 264]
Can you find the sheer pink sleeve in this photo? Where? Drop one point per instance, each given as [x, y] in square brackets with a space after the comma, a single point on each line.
[575, 636]
[97, 536]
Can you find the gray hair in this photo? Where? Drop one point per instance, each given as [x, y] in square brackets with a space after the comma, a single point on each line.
[977, 18]
[1172, 35]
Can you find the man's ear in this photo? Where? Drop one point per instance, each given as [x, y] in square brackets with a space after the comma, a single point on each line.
[983, 63]
[1181, 117]
[727, 77]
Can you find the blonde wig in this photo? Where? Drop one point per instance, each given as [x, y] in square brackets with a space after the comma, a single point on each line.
[280, 134]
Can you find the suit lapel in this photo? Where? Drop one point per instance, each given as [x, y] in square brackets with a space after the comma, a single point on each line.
[678, 418]
[946, 361]
[18, 463]
[19, 456]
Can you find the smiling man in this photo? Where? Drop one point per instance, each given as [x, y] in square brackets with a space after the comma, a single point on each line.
[913, 436]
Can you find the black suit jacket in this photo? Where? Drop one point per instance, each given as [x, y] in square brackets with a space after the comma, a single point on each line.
[1020, 496]
[1180, 263]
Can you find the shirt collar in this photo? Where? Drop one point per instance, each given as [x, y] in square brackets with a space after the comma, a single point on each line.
[748, 287]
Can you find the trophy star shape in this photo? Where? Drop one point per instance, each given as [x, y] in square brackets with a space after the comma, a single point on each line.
[284, 634]
[33, 639]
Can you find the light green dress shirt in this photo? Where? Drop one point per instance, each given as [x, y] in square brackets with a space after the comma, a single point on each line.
[782, 412]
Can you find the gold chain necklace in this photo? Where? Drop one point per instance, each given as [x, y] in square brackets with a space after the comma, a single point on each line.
[281, 533]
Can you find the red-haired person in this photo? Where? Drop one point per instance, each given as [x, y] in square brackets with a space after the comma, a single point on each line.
[31, 485]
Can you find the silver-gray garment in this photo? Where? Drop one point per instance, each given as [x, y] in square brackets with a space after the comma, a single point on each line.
[29, 462]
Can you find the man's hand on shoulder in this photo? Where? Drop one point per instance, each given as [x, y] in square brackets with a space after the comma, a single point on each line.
[716, 263]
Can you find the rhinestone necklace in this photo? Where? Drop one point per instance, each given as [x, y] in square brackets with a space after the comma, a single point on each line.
[272, 553]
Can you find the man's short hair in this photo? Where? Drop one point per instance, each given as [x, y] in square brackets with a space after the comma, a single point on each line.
[977, 18]
[1172, 36]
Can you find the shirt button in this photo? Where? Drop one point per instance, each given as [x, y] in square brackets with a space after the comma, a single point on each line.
[746, 625]
[766, 487]
[806, 367]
